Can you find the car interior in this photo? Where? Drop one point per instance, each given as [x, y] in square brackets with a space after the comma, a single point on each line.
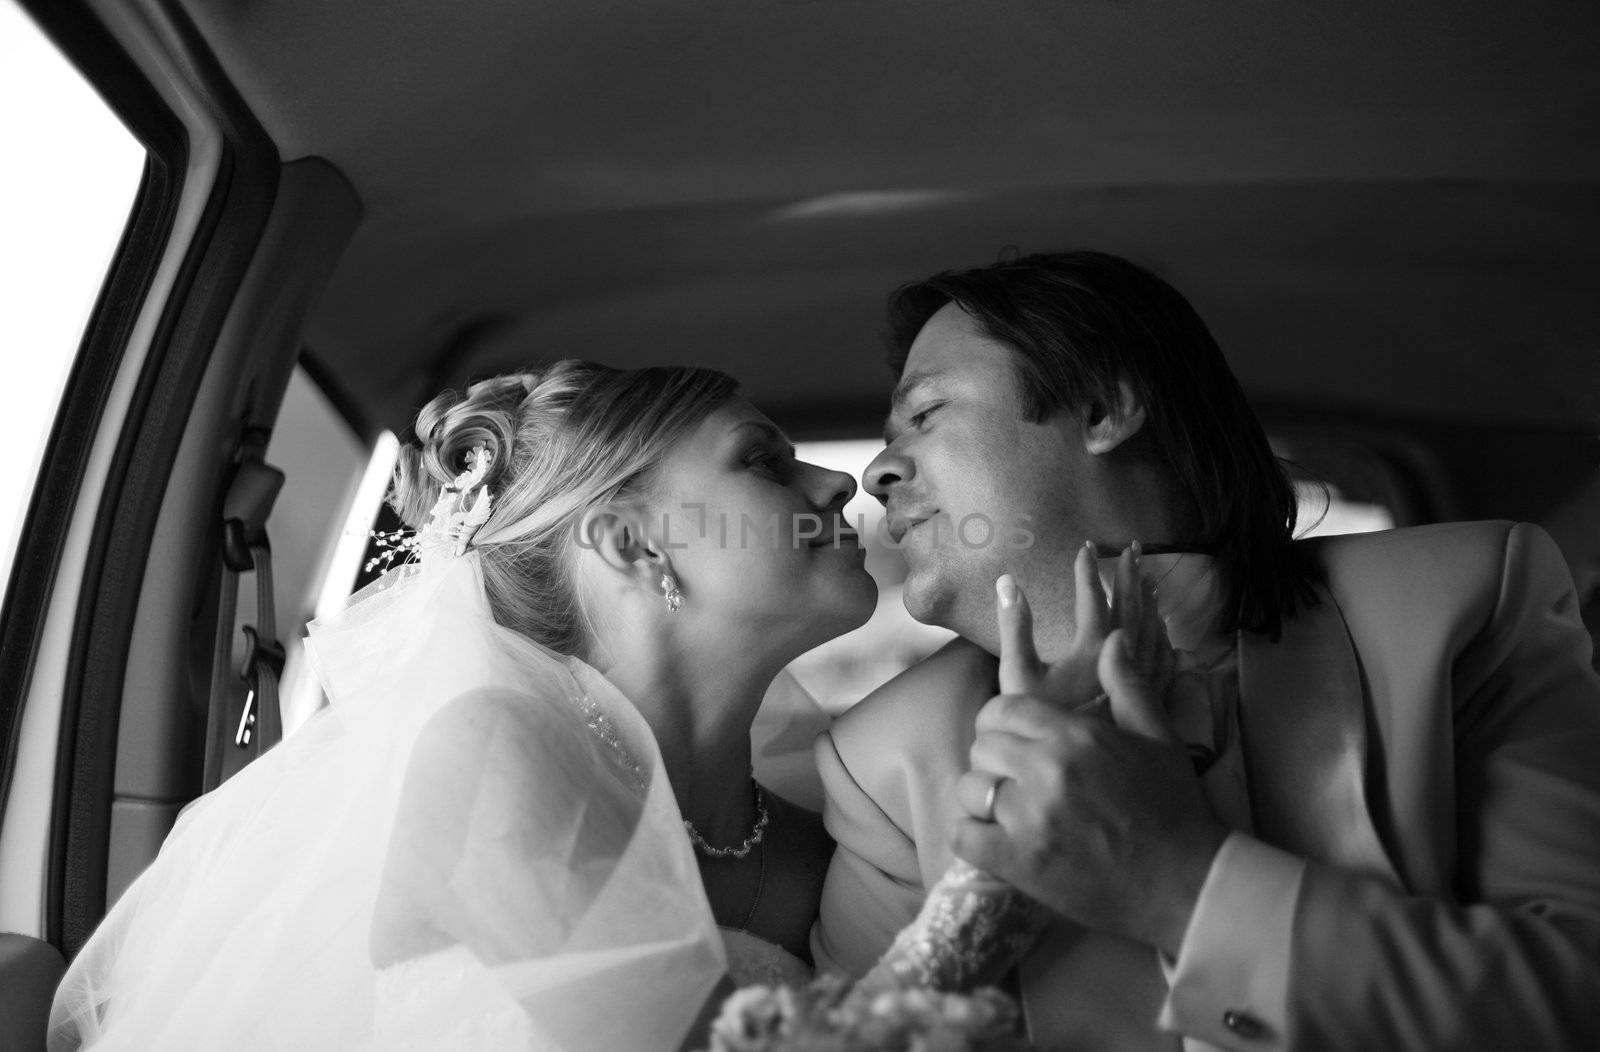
[1388, 215]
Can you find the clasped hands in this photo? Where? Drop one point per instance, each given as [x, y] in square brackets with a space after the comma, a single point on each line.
[1081, 794]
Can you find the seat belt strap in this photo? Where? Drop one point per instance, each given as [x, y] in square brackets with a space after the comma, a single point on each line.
[261, 722]
[245, 549]
[221, 678]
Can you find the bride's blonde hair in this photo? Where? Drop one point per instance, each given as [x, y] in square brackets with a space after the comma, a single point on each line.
[564, 438]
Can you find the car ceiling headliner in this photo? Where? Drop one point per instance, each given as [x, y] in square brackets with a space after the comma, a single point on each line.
[1378, 207]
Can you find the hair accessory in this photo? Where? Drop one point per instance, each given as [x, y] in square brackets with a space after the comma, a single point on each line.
[755, 837]
[456, 516]
[670, 592]
[392, 544]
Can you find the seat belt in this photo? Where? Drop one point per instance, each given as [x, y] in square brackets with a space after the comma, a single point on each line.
[245, 549]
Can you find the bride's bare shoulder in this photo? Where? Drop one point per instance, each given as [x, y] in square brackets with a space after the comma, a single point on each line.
[945, 690]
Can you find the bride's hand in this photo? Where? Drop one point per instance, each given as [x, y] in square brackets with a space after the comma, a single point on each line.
[1102, 820]
[974, 927]
[1073, 680]
[1139, 638]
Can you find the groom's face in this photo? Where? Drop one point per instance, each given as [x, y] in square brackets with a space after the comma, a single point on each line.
[973, 490]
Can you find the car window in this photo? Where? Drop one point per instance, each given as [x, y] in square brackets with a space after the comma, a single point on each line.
[1325, 510]
[324, 462]
[842, 671]
[63, 213]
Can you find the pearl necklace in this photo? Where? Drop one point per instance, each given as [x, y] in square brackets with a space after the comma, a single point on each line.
[750, 841]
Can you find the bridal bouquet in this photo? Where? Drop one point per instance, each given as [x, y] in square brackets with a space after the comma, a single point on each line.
[829, 1016]
[929, 992]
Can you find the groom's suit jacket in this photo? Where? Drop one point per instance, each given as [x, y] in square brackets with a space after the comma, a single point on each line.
[1422, 750]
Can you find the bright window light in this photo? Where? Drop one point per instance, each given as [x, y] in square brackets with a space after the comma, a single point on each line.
[1324, 512]
[345, 566]
[66, 191]
[842, 671]
[301, 693]
[851, 457]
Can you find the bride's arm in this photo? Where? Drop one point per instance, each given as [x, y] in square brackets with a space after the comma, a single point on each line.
[971, 931]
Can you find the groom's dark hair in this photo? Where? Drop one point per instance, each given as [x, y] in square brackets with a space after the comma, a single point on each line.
[1081, 321]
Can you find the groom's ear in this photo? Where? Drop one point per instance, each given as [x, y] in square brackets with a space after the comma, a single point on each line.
[1105, 427]
[619, 536]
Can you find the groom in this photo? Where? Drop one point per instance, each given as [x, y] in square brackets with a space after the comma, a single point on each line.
[1378, 823]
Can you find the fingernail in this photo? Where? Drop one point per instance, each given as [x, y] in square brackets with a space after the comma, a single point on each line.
[1088, 546]
[1137, 550]
[1006, 585]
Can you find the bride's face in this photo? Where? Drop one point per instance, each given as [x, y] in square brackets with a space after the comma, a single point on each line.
[756, 538]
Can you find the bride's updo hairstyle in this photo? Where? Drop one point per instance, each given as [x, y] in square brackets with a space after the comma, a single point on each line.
[565, 438]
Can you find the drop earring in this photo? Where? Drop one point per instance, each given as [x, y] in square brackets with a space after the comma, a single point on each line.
[670, 592]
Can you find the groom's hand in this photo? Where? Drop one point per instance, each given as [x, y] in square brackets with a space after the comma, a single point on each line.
[1101, 819]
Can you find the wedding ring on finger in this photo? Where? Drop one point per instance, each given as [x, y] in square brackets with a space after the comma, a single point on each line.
[986, 812]
[1099, 705]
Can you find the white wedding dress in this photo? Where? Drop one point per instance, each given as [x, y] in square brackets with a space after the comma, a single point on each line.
[473, 847]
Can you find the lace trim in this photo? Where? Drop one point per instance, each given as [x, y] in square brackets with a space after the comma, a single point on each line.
[972, 929]
[600, 725]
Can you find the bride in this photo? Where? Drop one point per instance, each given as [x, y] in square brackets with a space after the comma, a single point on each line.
[526, 818]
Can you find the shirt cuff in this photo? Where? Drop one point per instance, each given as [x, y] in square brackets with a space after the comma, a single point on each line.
[1229, 986]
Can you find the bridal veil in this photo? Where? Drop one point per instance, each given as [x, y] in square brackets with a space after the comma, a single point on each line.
[473, 846]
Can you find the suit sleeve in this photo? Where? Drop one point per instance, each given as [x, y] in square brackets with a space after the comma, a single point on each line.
[873, 887]
[1513, 960]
